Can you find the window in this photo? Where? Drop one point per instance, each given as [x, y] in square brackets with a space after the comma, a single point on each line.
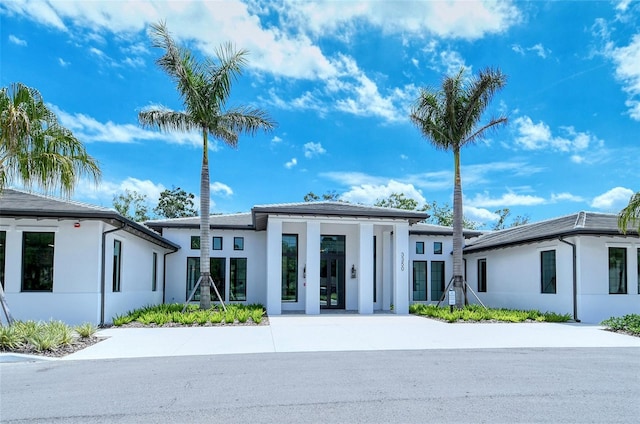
[482, 275]
[419, 280]
[638, 270]
[238, 243]
[419, 247]
[3, 250]
[217, 243]
[375, 268]
[437, 248]
[195, 242]
[37, 261]
[217, 270]
[117, 264]
[154, 273]
[238, 279]
[548, 271]
[289, 267]
[617, 270]
[437, 279]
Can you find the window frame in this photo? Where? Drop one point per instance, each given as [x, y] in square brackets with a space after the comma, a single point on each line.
[482, 275]
[286, 275]
[40, 264]
[3, 255]
[196, 276]
[240, 245]
[439, 292]
[233, 280]
[154, 272]
[553, 280]
[437, 250]
[426, 282]
[195, 242]
[213, 243]
[419, 248]
[116, 276]
[623, 269]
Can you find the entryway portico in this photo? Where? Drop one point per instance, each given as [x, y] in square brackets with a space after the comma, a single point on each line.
[336, 256]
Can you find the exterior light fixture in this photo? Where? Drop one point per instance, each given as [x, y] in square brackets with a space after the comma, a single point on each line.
[353, 271]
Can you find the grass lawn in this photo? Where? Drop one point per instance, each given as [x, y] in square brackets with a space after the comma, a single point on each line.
[475, 313]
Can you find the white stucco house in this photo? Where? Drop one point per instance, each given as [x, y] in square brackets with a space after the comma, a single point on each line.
[579, 264]
[76, 262]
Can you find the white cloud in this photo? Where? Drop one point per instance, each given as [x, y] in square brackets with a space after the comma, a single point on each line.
[613, 200]
[370, 193]
[220, 188]
[532, 136]
[627, 61]
[17, 41]
[538, 49]
[276, 139]
[88, 129]
[313, 149]
[518, 49]
[63, 63]
[293, 162]
[479, 214]
[106, 190]
[404, 157]
[561, 197]
[507, 199]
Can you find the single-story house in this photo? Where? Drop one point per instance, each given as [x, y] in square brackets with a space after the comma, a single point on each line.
[75, 262]
[579, 264]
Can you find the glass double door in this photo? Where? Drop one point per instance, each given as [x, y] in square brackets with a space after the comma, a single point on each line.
[332, 273]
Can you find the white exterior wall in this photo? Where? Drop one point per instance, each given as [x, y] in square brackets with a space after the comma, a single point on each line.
[594, 301]
[254, 251]
[77, 261]
[514, 280]
[429, 256]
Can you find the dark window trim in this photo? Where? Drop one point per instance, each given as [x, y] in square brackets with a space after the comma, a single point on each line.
[154, 275]
[195, 242]
[482, 275]
[117, 267]
[442, 282]
[287, 254]
[426, 281]
[237, 246]
[419, 248]
[24, 256]
[625, 279]
[542, 275]
[232, 281]
[213, 243]
[439, 250]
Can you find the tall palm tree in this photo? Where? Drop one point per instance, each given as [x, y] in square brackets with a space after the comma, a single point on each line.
[35, 149]
[204, 88]
[630, 215]
[449, 118]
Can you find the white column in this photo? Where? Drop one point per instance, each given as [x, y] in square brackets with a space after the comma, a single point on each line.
[365, 270]
[387, 271]
[312, 292]
[274, 267]
[401, 268]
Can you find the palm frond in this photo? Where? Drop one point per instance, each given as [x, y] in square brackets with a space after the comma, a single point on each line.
[630, 215]
[166, 120]
[222, 74]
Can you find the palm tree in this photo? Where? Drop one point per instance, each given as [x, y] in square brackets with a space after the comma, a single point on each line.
[630, 215]
[35, 149]
[204, 88]
[448, 117]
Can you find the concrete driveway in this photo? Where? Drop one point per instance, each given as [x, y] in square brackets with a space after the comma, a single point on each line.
[344, 332]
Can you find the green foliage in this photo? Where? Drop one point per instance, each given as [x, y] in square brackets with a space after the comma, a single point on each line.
[40, 336]
[332, 196]
[132, 205]
[629, 217]
[397, 201]
[43, 341]
[10, 338]
[628, 324]
[478, 313]
[86, 330]
[167, 313]
[175, 203]
[61, 332]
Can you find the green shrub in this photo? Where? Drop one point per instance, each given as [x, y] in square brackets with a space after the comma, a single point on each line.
[61, 332]
[243, 315]
[9, 338]
[86, 330]
[479, 313]
[230, 316]
[216, 317]
[42, 341]
[256, 315]
[628, 323]
[119, 320]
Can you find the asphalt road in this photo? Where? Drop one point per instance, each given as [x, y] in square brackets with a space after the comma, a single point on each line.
[455, 386]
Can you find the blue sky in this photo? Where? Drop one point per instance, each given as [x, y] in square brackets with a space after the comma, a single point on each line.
[340, 79]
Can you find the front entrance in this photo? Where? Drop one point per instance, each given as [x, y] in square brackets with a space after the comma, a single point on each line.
[332, 272]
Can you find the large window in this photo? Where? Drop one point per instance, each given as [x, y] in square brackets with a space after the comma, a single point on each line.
[3, 250]
[375, 271]
[482, 275]
[154, 272]
[437, 279]
[117, 265]
[617, 270]
[238, 279]
[548, 271]
[289, 267]
[37, 261]
[419, 280]
[217, 269]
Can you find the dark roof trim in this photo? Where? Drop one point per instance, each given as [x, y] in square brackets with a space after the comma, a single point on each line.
[559, 235]
[109, 217]
[197, 225]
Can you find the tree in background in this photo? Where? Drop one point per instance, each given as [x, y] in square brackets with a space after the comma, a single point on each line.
[175, 203]
[443, 215]
[328, 196]
[398, 201]
[630, 215]
[503, 214]
[35, 149]
[449, 118]
[131, 205]
[204, 87]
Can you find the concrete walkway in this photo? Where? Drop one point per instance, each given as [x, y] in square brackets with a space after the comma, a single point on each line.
[344, 332]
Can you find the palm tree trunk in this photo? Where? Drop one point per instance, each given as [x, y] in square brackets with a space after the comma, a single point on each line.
[205, 266]
[458, 278]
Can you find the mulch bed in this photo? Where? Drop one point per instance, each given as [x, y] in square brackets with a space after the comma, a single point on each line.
[59, 352]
